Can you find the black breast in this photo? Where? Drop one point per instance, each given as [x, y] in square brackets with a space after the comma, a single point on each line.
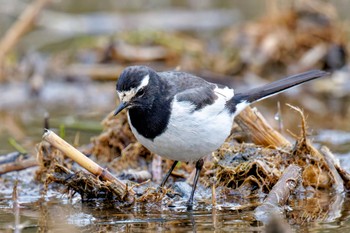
[150, 123]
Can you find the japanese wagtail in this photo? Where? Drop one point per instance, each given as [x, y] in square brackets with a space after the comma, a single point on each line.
[182, 117]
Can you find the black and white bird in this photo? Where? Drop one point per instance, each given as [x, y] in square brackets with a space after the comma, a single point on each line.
[183, 117]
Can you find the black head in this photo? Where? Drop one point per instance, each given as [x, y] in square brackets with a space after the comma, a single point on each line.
[135, 87]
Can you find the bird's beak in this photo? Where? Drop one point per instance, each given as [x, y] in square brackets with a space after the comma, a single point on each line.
[121, 106]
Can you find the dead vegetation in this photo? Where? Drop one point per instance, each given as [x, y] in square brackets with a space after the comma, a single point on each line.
[251, 170]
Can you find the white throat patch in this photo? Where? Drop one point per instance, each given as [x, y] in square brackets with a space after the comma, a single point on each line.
[126, 96]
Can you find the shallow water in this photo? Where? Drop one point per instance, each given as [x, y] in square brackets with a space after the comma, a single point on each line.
[57, 212]
[59, 215]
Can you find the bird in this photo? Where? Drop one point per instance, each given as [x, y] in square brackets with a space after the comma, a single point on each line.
[182, 117]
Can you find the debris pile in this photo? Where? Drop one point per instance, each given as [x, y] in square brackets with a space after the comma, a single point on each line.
[247, 169]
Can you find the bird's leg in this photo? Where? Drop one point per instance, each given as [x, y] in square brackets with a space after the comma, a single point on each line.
[168, 174]
[199, 166]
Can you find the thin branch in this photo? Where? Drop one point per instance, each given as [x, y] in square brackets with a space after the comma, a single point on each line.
[23, 24]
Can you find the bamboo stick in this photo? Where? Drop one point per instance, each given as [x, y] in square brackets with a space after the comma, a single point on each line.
[260, 132]
[87, 163]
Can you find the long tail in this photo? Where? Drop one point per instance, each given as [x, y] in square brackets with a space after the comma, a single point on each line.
[241, 100]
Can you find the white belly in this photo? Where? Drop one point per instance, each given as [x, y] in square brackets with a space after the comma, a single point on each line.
[190, 136]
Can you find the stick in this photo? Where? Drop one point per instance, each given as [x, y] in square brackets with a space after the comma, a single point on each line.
[329, 158]
[287, 183]
[280, 192]
[17, 165]
[19, 28]
[213, 195]
[86, 163]
[260, 132]
[344, 175]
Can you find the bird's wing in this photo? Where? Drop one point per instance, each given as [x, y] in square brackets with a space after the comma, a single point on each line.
[198, 96]
[193, 89]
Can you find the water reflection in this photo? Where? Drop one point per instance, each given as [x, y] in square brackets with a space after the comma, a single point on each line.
[57, 214]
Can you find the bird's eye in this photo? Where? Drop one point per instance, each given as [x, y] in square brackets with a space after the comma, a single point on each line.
[141, 92]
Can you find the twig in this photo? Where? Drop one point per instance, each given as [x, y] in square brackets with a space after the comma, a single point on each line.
[17, 165]
[16, 208]
[340, 172]
[303, 120]
[344, 175]
[213, 195]
[87, 163]
[280, 192]
[24, 22]
[329, 158]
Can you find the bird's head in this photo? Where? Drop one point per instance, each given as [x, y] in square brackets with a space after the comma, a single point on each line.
[135, 88]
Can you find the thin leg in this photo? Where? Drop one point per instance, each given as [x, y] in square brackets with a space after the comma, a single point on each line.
[168, 174]
[199, 166]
